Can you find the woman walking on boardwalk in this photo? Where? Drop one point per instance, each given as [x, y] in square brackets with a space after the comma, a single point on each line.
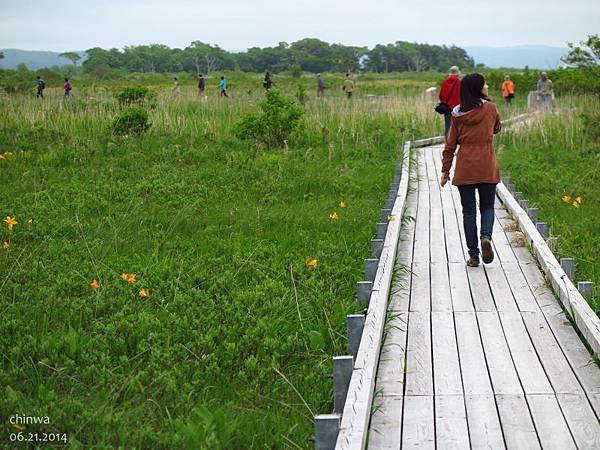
[473, 125]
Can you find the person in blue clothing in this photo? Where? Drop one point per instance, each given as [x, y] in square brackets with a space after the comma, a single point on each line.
[40, 87]
[223, 87]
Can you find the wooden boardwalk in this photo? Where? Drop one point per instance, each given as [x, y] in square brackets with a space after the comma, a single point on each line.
[476, 357]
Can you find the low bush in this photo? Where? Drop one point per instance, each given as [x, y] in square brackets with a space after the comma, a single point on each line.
[278, 118]
[131, 121]
[135, 95]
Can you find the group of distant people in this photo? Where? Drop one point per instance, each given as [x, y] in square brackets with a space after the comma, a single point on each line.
[41, 86]
[450, 92]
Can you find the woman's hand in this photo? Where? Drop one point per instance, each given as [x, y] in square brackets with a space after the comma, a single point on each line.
[445, 178]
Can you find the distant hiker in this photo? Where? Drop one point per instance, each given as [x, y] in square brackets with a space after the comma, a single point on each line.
[473, 124]
[67, 87]
[40, 87]
[223, 87]
[348, 86]
[508, 89]
[449, 95]
[320, 86]
[545, 91]
[267, 82]
[201, 84]
[175, 89]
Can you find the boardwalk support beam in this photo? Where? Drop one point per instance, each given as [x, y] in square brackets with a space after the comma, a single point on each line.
[371, 269]
[568, 265]
[586, 288]
[542, 228]
[533, 214]
[342, 372]
[355, 324]
[376, 247]
[327, 428]
[381, 229]
[363, 293]
[385, 212]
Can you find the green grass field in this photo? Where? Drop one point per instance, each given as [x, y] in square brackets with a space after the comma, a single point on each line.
[231, 348]
[224, 336]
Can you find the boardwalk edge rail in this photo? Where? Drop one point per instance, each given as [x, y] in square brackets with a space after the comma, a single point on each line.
[569, 296]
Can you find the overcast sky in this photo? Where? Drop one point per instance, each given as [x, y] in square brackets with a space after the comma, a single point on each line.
[238, 24]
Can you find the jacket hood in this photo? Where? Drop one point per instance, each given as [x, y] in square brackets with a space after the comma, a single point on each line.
[472, 117]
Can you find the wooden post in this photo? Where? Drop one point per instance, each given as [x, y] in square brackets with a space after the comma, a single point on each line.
[370, 269]
[586, 288]
[524, 204]
[342, 372]
[363, 293]
[355, 324]
[385, 212]
[327, 428]
[518, 195]
[381, 230]
[542, 228]
[533, 214]
[376, 247]
[568, 265]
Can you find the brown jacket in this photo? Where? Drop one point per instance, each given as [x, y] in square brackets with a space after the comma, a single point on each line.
[474, 132]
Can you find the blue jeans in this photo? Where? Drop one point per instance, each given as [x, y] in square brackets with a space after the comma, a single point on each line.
[487, 196]
[447, 122]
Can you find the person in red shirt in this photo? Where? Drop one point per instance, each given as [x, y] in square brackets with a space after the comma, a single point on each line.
[450, 94]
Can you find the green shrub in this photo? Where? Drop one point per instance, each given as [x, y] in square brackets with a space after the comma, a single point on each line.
[131, 121]
[280, 116]
[591, 118]
[135, 95]
[301, 94]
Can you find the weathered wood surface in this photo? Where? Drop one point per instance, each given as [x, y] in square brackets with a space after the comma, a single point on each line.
[479, 357]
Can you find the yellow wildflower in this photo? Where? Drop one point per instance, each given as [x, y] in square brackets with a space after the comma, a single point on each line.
[10, 222]
[132, 278]
[19, 427]
[333, 216]
[311, 262]
[566, 198]
[579, 200]
[575, 204]
[143, 293]
[94, 284]
[5, 245]
[5, 154]
[124, 276]
[343, 204]
[30, 221]
[2, 157]
[391, 218]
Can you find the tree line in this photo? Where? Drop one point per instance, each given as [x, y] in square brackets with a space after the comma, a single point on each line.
[310, 55]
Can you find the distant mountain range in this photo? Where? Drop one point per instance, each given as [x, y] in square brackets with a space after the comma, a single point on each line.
[33, 59]
[533, 56]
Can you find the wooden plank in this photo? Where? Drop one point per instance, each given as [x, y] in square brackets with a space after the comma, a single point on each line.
[420, 291]
[517, 425]
[555, 364]
[529, 368]
[451, 423]
[421, 244]
[550, 423]
[436, 220]
[582, 314]
[580, 360]
[385, 430]
[500, 364]
[581, 419]
[390, 373]
[446, 367]
[520, 287]
[419, 376]
[485, 431]
[503, 296]
[441, 296]
[459, 287]
[480, 289]
[476, 379]
[418, 422]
